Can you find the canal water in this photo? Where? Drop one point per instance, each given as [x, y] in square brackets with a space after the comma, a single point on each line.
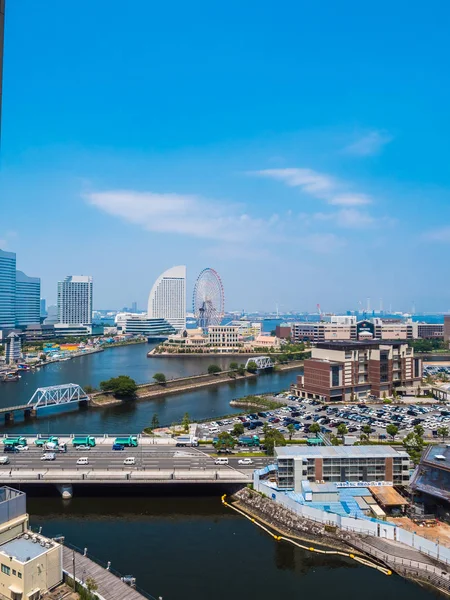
[189, 548]
[132, 417]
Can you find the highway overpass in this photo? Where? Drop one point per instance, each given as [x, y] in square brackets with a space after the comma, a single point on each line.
[155, 464]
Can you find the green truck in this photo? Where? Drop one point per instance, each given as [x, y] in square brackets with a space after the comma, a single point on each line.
[15, 441]
[51, 439]
[249, 440]
[130, 442]
[84, 440]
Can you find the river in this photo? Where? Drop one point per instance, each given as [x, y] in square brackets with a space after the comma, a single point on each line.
[188, 548]
[132, 417]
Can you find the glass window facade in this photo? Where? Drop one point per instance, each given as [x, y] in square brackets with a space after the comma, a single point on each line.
[28, 300]
[7, 290]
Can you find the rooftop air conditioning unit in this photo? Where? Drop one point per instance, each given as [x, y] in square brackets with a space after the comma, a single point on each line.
[26, 536]
[43, 543]
[34, 540]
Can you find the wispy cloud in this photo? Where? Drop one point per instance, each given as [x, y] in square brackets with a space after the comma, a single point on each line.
[323, 243]
[348, 218]
[441, 234]
[318, 185]
[370, 144]
[181, 214]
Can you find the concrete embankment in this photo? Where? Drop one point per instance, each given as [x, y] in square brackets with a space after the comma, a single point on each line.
[403, 560]
[148, 391]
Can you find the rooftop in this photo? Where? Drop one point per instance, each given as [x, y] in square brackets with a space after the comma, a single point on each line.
[23, 550]
[338, 452]
[353, 345]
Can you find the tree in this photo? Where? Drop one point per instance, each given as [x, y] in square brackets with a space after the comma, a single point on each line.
[252, 367]
[342, 430]
[241, 370]
[443, 432]
[186, 422]
[120, 386]
[238, 429]
[214, 369]
[366, 429]
[335, 441]
[155, 421]
[419, 430]
[91, 584]
[225, 441]
[89, 389]
[392, 430]
[291, 430]
[159, 378]
[234, 366]
[363, 439]
[314, 428]
[413, 443]
[273, 438]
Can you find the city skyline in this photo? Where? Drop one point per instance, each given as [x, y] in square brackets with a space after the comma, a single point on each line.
[305, 171]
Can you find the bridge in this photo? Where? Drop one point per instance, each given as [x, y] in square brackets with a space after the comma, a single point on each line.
[262, 362]
[44, 397]
[157, 461]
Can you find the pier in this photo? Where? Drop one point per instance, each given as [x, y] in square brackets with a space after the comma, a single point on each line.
[110, 586]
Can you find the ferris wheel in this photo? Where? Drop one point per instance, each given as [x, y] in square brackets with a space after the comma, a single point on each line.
[208, 299]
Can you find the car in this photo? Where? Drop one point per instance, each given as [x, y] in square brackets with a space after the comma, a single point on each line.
[118, 447]
[10, 449]
[221, 461]
[22, 448]
[245, 461]
[82, 447]
[83, 460]
[4, 460]
[48, 456]
[130, 460]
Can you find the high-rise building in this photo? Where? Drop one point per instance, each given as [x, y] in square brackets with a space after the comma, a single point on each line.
[43, 307]
[167, 298]
[134, 307]
[75, 300]
[28, 298]
[7, 290]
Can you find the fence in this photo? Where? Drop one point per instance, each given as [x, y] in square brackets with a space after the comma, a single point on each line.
[384, 530]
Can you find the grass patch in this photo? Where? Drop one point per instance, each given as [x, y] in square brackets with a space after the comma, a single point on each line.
[257, 402]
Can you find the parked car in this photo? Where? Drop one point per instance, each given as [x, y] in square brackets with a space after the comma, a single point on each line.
[22, 448]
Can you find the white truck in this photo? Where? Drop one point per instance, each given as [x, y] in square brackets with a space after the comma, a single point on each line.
[184, 441]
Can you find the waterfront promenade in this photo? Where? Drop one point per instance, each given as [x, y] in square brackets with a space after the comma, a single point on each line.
[110, 586]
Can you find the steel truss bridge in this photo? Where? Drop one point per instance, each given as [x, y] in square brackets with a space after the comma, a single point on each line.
[262, 362]
[56, 395]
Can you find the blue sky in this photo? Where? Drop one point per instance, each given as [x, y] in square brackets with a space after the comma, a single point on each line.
[301, 149]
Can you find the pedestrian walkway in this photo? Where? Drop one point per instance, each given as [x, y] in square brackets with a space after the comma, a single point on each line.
[110, 587]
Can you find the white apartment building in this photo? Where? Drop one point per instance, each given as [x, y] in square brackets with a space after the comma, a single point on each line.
[224, 336]
[167, 299]
[75, 300]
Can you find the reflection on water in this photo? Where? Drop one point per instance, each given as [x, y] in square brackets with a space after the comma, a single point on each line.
[194, 548]
[132, 416]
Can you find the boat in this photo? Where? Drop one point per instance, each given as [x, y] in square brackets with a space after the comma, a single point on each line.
[7, 377]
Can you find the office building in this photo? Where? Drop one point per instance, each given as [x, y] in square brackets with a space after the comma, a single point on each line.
[30, 564]
[223, 336]
[28, 299]
[134, 307]
[7, 289]
[75, 300]
[446, 328]
[167, 299]
[43, 309]
[136, 324]
[13, 353]
[344, 371]
[340, 464]
[429, 331]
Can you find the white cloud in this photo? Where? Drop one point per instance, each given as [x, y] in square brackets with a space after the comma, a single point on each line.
[323, 243]
[370, 144]
[349, 218]
[318, 185]
[441, 234]
[182, 214]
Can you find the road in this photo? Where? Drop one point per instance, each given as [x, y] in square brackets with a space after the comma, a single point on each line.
[147, 457]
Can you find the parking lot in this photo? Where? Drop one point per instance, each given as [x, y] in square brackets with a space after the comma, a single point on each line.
[303, 412]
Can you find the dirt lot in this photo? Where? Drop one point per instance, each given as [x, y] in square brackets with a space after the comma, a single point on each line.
[440, 532]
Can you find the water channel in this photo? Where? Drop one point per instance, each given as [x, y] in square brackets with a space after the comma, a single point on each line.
[193, 548]
[133, 416]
